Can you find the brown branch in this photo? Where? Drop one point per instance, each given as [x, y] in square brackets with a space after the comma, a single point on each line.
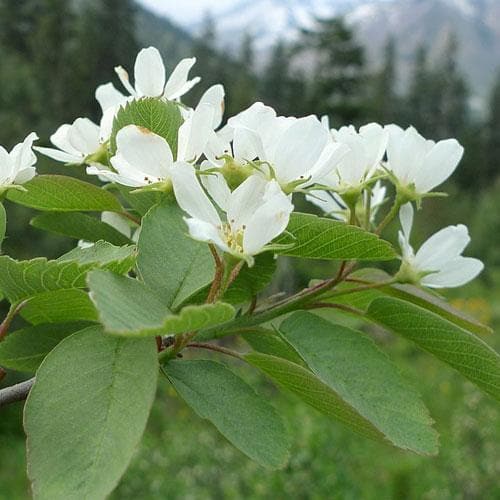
[216, 348]
[14, 309]
[219, 275]
[341, 307]
[17, 392]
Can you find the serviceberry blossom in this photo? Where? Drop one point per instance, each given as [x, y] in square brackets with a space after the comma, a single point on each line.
[74, 142]
[16, 167]
[439, 262]
[144, 158]
[256, 212]
[296, 152]
[418, 164]
[365, 150]
[333, 205]
[150, 79]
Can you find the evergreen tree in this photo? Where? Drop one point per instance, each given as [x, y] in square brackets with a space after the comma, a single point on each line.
[384, 99]
[337, 86]
[492, 136]
[106, 39]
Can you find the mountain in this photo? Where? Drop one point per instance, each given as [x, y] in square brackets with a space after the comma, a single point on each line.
[410, 22]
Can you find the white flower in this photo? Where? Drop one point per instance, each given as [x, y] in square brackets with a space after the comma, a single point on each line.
[420, 163]
[366, 149]
[333, 205]
[438, 263]
[294, 151]
[149, 76]
[17, 167]
[74, 142]
[143, 158]
[257, 211]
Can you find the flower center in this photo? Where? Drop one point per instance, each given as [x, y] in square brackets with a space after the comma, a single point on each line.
[233, 239]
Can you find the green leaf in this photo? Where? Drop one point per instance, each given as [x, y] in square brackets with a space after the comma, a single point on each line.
[169, 261]
[143, 201]
[24, 350]
[128, 307]
[59, 193]
[161, 117]
[268, 342]
[3, 224]
[462, 350]
[86, 413]
[352, 365]
[313, 391]
[22, 279]
[252, 280]
[104, 255]
[320, 238]
[59, 306]
[26, 278]
[246, 419]
[79, 226]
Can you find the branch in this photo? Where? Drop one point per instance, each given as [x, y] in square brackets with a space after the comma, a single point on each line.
[216, 348]
[18, 392]
[14, 309]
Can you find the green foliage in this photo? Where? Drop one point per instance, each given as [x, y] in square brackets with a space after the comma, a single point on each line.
[59, 306]
[64, 194]
[266, 341]
[350, 363]
[25, 349]
[182, 267]
[128, 307]
[468, 354]
[245, 419]
[157, 115]
[320, 238]
[252, 280]
[82, 419]
[79, 226]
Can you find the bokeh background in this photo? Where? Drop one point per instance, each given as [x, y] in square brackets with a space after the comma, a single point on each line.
[433, 64]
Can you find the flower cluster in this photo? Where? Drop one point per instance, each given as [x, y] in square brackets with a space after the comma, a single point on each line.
[237, 182]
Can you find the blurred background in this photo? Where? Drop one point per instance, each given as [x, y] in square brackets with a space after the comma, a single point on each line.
[433, 64]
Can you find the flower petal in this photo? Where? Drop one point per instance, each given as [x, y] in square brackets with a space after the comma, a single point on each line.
[108, 96]
[456, 272]
[245, 200]
[59, 155]
[438, 165]
[215, 97]
[268, 221]
[83, 136]
[149, 73]
[194, 133]
[441, 247]
[178, 83]
[216, 186]
[145, 151]
[204, 231]
[190, 195]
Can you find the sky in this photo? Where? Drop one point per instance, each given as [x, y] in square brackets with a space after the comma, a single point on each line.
[185, 12]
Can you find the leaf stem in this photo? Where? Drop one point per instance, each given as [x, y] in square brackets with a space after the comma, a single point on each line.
[14, 309]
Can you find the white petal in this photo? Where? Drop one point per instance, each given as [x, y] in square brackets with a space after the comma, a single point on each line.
[330, 157]
[194, 133]
[58, 155]
[439, 163]
[25, 175]
[6, 167]
[106, 125]
[84, 136]
[245, 200]
[145, 151]
[22, 154]
[375, 139]
[445, 245]
[215, 97]
[117, 222]
[268, 222]
[406, 218]
[124, 78]
[299, 148]
[216, 186]
[108, 96]
[60, 140]
[204, 231]
[247, 145]
[149, 73]
[178, 83]
[190, 195]
[456, 272]
[109, 176]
